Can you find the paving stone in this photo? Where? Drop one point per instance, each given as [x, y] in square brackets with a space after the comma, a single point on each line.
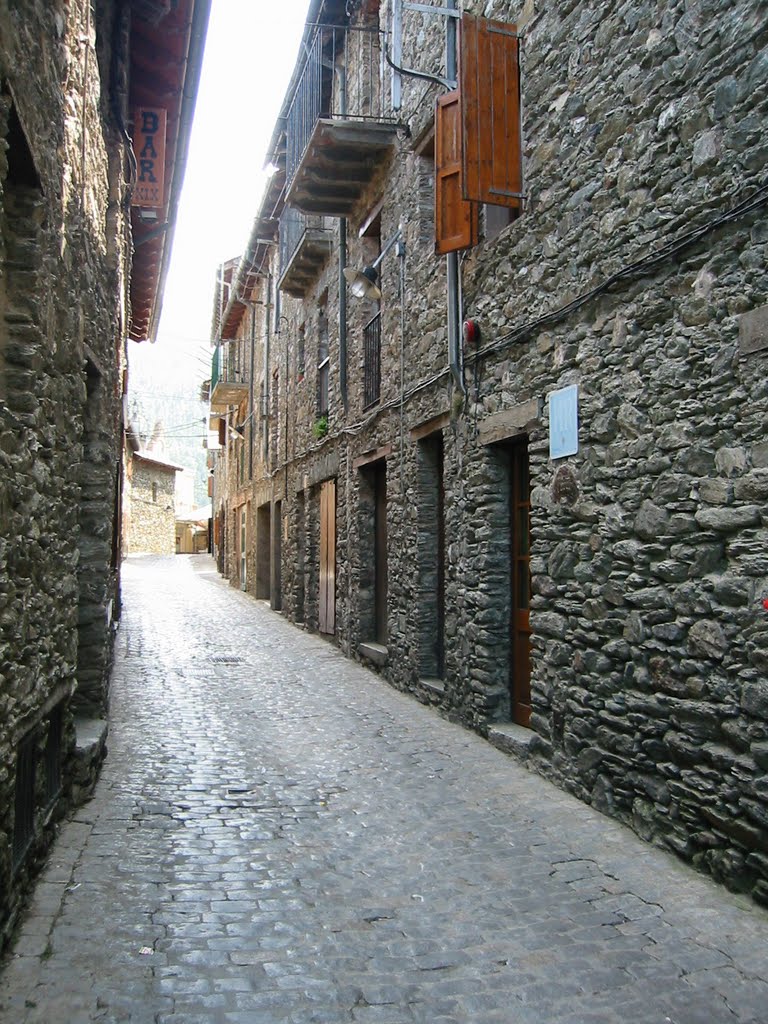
[318, 871]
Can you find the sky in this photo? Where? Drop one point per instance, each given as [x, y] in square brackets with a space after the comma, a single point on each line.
[250, 52]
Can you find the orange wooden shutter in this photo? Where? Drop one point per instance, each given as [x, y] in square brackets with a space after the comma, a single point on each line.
[489, 80]
[455, 219]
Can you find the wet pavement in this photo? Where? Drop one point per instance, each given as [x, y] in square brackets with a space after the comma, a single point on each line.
[278, 835]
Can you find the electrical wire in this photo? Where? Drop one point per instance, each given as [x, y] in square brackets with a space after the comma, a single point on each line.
[636, 269]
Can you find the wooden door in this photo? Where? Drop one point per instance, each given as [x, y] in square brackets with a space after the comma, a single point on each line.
[520, 629]
[243, 548]
[277, 557]
[381, 572]
[327, 612]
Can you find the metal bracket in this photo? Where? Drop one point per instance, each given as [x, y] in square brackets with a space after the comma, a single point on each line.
[448, 12]
[448, 83]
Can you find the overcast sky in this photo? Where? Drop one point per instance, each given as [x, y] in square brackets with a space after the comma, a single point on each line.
[250, 53]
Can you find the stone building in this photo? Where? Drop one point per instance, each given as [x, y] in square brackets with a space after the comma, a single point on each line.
[149, 518]
[525, 475]
[83, 252]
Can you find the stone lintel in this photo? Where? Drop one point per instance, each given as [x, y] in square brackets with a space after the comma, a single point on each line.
[753, 331]
[279, 488]
[91, 357]
[325, 467]
[262, 494]
[510, 422]
[29, 721]
[430, 426]
[372, 456]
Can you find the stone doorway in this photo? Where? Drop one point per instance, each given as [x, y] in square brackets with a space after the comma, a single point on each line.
[263, 537]
[520, 582]
[327, 603]
[431, 557]
[277, 557]
[373, 552]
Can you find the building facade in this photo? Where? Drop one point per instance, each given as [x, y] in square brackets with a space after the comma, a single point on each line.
[521, 466]
[75, 283]
[149, 516]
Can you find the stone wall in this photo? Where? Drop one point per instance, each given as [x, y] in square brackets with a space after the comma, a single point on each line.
[636, 272]
[152, 518]
[62, 293]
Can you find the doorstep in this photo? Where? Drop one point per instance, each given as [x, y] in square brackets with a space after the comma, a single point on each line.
[377, 653]
[512, 739]
[90, 751]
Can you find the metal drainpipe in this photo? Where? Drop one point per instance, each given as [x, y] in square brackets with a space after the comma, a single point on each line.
[452, 259]
[343, 311]
[401, 253]
[343, 262]
[285, 403]
[250, 392]
[267, 309]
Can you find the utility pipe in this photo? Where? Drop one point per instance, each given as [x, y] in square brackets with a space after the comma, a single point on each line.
[343, 312]
[452, 259]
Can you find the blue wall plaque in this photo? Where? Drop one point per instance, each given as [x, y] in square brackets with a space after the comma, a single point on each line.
[564, 422]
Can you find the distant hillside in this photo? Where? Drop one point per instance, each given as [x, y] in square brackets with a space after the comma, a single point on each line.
[164, 401]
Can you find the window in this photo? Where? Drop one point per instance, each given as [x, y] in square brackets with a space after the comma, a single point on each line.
[491, 152]
[455, 218]
[300, 353]
[323, 363]
[425, 178]
[478, 150]
[52, 756]
[20, 229]
[496, 218]
[372, 361]
[24, 798]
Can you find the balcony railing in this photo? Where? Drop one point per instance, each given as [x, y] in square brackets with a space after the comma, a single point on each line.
[229, 376]
[305, 243]
[372, 361]
[338, 124]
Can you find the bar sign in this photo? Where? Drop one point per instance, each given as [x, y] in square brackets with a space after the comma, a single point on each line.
[149, 148]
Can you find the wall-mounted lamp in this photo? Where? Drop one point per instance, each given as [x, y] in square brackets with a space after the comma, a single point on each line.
[362, 283]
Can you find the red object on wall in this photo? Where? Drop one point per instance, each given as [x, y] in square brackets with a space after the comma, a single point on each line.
[471, 332]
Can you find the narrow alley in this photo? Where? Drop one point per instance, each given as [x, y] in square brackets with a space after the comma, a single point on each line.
[278, 835]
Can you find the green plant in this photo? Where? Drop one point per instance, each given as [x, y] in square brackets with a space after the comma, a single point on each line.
[320, 426]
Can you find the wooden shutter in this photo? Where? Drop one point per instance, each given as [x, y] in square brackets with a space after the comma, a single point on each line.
[489, 80]
[327, 610]
[223, 433]
[455, 219]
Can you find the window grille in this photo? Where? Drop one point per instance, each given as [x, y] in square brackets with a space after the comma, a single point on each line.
[323, 365]
[372, 361]
[24, 802]
[52, 756]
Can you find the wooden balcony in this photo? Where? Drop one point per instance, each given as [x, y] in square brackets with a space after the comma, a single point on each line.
[340, 160]
[229, 380]
[305, 245]
[339, 128]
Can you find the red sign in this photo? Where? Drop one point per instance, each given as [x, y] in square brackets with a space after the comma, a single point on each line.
[149, 148]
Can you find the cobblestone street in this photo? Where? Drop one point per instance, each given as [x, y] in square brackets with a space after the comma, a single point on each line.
[278, 835]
